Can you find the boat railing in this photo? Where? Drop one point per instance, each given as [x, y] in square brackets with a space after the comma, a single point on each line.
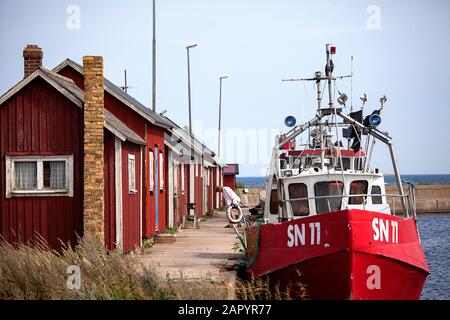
[393, 203]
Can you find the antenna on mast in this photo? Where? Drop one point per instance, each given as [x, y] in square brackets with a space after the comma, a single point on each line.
[351, 87]
[125, 87]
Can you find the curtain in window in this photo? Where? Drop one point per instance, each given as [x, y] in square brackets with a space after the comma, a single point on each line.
[25, 175]
[57, 174]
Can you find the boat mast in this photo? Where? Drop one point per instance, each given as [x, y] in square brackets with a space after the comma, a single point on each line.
[319, 102]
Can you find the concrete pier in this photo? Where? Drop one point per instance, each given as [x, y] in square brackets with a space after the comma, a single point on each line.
[429, 198]
[204, 253]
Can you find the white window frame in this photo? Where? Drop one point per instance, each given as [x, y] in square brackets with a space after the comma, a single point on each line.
[11, 190]
[175, 176]
[161, 170]
[152, 170]
[132, 173]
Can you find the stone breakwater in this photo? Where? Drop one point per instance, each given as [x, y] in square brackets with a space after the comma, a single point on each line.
[429, 198]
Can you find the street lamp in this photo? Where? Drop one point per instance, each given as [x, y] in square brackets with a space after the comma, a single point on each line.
[220, 110]
[189, 46]
[191, 166]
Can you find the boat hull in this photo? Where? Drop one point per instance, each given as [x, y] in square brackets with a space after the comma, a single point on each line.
[351, 254]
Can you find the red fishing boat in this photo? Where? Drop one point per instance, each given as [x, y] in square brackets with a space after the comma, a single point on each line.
[330, 230]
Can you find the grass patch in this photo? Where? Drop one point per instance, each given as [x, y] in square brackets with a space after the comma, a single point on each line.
[39, 273]
[170, 230]
[262, 289]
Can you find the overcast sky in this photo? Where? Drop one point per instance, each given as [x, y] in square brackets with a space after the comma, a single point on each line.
[400, 48]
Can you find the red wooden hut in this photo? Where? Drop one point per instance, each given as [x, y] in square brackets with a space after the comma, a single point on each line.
[229, 175]
[78, 155]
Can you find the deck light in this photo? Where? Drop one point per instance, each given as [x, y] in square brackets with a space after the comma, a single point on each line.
[290, 121]
[364, 98]
[342, 99]
[374, 120]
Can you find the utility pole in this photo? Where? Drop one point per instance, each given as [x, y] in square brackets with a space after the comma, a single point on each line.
[154, 60]
[220, 112]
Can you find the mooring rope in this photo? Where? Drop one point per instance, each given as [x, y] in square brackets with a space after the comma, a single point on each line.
[249, 262]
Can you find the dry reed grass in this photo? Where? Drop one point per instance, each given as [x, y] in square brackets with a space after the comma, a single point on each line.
[39, 273]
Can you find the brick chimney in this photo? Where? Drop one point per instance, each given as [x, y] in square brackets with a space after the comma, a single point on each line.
[93, 206]
[32, 59]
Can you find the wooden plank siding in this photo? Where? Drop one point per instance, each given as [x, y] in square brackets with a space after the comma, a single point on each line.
[39, 120]
[110, 191]
[131, 201]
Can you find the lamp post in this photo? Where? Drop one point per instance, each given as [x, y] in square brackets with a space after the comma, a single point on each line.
[188, 47]
[220, 111]
[191, 167]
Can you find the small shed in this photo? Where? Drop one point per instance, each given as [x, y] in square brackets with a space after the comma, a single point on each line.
[229, 175]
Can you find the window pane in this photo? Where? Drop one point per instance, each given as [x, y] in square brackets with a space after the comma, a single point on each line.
[131, 173]
[376, 190]
[358, 163]
[296, 191]
[161, 171]
[345, 163]
[323, 189]
[54, 174]
[358, 187]
[25, 175]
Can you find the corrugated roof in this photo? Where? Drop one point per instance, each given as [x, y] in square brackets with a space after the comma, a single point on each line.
[186, 136]
[153, 117]
[69, 89]
[67, 83]
[118, 128]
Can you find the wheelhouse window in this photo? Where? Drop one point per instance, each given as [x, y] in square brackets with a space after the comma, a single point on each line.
[358, 164]
[358, 187]
[330, 191]
[345, 162]
[132, 174]
[376, 190]
[39, 176]
[299, 191]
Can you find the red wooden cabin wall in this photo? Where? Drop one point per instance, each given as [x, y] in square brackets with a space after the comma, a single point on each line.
[39, 120]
